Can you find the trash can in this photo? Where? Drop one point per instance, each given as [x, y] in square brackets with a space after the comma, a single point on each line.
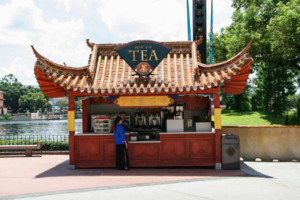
[230, 151]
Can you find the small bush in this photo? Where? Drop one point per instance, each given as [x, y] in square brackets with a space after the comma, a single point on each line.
[245, 106]
[294, 119]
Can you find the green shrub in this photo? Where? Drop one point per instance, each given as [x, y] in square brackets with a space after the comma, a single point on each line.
[245, 106]
[55, 146]
[46, 145]
[5, 117]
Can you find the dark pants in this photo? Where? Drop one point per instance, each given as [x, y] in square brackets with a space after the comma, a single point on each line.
[121, 156]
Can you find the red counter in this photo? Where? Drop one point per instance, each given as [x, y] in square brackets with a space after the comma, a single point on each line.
[173, 150]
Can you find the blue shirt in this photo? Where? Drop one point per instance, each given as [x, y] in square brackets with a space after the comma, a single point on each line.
[119, 135]
[125, 125]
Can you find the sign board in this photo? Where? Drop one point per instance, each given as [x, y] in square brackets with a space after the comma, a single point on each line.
[143, 56]
[143, 101]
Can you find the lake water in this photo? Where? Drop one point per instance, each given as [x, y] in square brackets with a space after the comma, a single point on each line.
[38, 127]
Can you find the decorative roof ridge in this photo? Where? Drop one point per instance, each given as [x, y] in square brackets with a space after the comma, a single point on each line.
[118, 44]
[230, 61]
[174, 45]
[56, 66]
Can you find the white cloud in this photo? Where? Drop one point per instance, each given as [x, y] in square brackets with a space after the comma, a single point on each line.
[15, 13]
[20, 70]
[222, 11]
[11, 11]
[59, 40]
[15, 37]
[156, 20]
[69, 4]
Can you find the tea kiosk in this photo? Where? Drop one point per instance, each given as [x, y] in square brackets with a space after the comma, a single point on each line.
[144, 78]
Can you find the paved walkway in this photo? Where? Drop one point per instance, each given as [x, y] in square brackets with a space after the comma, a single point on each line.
[48, 177]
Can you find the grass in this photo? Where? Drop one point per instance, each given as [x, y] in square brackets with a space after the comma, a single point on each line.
[251, 118]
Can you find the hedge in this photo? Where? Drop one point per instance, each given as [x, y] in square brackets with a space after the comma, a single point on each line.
[46, 145]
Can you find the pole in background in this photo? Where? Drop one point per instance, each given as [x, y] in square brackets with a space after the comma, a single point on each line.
[211, 35]
[199, 27]
[53, 105]
[188, 20]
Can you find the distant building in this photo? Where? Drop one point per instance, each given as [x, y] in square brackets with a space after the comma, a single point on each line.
[3, 110]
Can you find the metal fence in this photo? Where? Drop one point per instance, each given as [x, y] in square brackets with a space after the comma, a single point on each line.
[50, 143]
[19, 114]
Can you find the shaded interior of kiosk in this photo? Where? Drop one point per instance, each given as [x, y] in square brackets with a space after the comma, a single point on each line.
[188, 113]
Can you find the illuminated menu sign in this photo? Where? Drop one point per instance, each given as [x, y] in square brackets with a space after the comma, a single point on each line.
[143, 101]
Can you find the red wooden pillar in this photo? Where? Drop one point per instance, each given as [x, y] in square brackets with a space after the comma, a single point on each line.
[71, 129]
[217, 113]
[84, 116]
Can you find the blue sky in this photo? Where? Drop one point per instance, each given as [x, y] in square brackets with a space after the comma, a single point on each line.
[58, 28]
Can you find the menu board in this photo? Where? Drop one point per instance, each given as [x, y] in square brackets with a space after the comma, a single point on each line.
[143, 101]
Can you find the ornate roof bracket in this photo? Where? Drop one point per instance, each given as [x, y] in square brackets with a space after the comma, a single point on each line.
[91, 45]
[198, 42]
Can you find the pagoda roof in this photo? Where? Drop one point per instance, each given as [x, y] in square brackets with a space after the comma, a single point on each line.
[107, 74]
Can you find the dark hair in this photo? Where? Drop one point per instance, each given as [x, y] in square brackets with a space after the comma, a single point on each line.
[122, 113]
[117, 120]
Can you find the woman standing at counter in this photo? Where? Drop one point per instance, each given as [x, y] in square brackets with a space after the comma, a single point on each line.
[122, 161]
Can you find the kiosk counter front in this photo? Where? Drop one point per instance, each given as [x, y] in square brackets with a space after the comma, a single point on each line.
[172, 150]
[189, 139]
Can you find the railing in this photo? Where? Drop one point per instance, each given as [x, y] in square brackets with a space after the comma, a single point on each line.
[19, 114]
[56, 143]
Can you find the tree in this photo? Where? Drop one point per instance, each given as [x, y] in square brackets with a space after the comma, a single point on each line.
[274, 25]
[12, 91]
[273, 87]
[239, 103]
[33, 101]
[61, 103]
[78, 105]
[285, 29]
[27, 89]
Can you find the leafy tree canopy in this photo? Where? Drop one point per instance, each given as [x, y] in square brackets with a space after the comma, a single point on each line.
[14, 90]
[33, 101]
[275, 27]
